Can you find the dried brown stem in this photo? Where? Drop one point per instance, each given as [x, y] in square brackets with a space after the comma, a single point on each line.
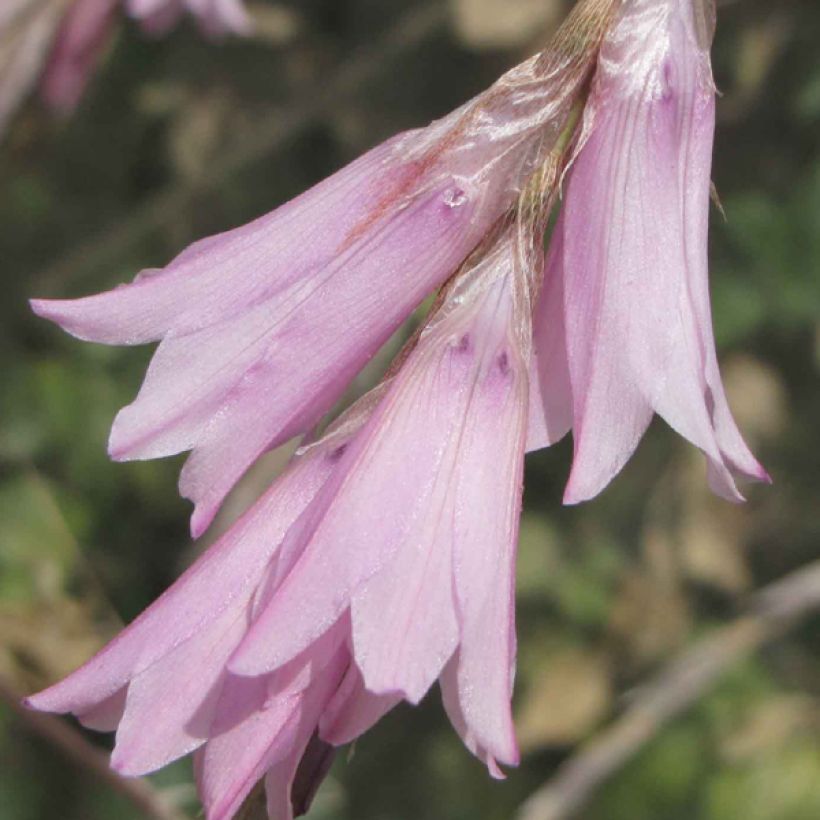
[770, 612]
[83, 754]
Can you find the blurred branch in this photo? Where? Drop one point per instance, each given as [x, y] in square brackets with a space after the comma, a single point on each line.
[330, 94]
[85, 755]
[770, 612]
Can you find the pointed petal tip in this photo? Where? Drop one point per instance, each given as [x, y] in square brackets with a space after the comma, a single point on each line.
[127, 762]
[30, 702]
[243, 662]
[762, 475]
[201, 519]
[40, 307]
[63, 313]
[575, 494]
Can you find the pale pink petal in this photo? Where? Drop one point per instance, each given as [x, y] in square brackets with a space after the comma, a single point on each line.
[488, 481]
[106, 715]
[170, 706]
[84, 33]
[273, 734]
[353, 709]
[451, 700]
[639, 334]
[230, 571]
[220, 277]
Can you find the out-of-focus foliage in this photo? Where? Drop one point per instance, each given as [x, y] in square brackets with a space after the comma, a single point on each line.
[607, 591]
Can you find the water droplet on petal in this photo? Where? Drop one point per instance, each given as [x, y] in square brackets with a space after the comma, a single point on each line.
[454, 197]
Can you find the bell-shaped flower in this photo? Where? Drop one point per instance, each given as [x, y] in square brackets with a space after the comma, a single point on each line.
[630, 251]
[380, 561]
[263, 327]
[413, 536]
[163, 683]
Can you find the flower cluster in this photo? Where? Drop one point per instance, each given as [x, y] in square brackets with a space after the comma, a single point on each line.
[382, 559]
[58, 44]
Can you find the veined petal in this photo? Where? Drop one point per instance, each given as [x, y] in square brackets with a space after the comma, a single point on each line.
[221, 276]
[489, 482]
[337, 328]
[229, 572]
[170, 706]
[401, 491]
[271, 737]
[353, 709]
[639, 334]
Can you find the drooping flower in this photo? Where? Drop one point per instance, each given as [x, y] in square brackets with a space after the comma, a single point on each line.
[57, 44]
[263, 327]
[380, 561]
[413, 537]
[629, 258]
[163, 682]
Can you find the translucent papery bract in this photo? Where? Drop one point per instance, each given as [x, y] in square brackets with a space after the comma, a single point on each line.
[167, 669]
[415, 533]
[550, 392]
[635, 219]
[83, 34]
[263, 327]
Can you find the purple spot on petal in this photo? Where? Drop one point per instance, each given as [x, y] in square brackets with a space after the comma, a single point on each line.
[503, 363]
[463, 345]
[337, 452]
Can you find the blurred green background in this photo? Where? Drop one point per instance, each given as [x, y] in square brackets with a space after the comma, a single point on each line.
[178, 138]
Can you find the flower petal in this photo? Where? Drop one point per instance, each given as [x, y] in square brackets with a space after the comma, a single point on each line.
[353, 709]
[639, 334]
[220, 277]
[230, 571]
[272, 736]
[170, 706]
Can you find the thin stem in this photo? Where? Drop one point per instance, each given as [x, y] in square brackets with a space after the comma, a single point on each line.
[771, 611]
[83, 754]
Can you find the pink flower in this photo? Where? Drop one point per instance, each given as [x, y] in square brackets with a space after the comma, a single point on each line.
[167, 670]
[59, 46]
[630, 258]
[413, 537]
[380, 561]
[263, 327]
[84, 33]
